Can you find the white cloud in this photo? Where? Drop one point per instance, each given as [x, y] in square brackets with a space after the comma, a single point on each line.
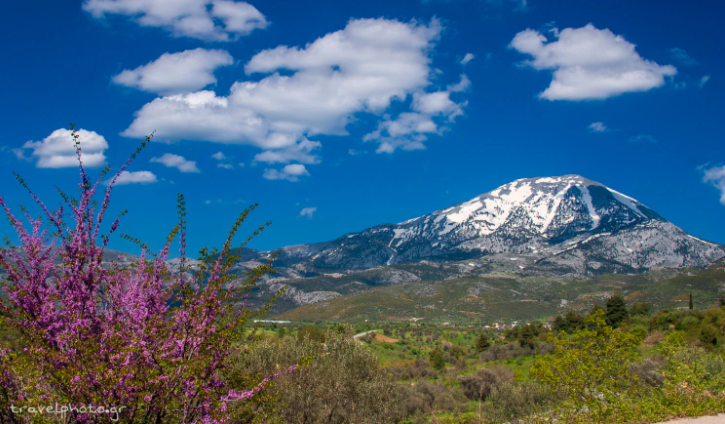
[353, 152]
[467, 58]
[362, 68]
[58, 150]
[219, 156]
[460, 86]
[300, 152]
[135, 177]
[681, 56]
[209, 20]
[174, 73]
[716, 177]
[598, 127]
[175, 161]
[642, 137]
[225, 166]
[290, 172]
[308, 212]
[589, 63]
[703, 81]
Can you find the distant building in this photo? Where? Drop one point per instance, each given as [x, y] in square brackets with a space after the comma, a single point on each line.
[273, 321]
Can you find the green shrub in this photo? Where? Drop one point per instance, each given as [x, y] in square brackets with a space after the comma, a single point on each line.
[436, 359]
[478, 386]
[639, 332]
[649, 370]
[592, 365]
[689, 322]
[708, 334]
[340, 381]
[640, 308]
[512, 400]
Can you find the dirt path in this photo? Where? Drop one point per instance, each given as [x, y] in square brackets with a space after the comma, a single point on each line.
[358, 335]
[710, 419]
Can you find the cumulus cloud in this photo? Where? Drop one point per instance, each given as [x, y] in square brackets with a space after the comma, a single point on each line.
[589, 63]
[642, 137]
[703, 81]
[219, 156]
[716, 177]
[598, 127]
[58, 150]
[291, 172]
[175, 161]
[308, 212]
[408, 131]
[174, 73]
[135, 177]
[681, 56]
[467, 58]
[209, 20]
[361, 69]
[225, 166]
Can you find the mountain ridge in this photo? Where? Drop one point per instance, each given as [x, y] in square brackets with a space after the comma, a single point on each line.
[527, 216]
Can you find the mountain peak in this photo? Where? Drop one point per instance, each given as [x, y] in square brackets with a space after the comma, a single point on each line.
[564, 224]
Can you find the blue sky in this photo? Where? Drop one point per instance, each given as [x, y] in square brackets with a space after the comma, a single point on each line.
[337, 116]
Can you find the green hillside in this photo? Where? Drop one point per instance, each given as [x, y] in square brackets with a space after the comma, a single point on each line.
[508, 297]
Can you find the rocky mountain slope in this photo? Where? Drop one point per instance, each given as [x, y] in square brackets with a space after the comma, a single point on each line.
[566, 225]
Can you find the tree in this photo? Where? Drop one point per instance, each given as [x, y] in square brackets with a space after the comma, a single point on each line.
[690, 300]
[527, 337]
[436, 359]
[708, 334]
[482, 344]
[616, 310]
[592, 365]
[560, 324]
[311, 332]
[640, 308]
[151, 337]
[722, 302]
[574, 321]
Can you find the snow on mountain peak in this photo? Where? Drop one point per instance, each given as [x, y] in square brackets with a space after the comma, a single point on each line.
[543, 205]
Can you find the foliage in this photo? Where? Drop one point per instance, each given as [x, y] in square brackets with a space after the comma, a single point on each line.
[569, 323]
[513, 400]
[482, 344]
[340, 382]
[526, 337]
[436, 359]
[311, 332]
[616, 310]
[478, 386]
[147, 339]
[590, 366]
[640, 308]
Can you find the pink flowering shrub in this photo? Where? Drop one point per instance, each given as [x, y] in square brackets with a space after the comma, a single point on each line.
[150, 341]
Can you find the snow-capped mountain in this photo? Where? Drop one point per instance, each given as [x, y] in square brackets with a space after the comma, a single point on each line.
[566, 224]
